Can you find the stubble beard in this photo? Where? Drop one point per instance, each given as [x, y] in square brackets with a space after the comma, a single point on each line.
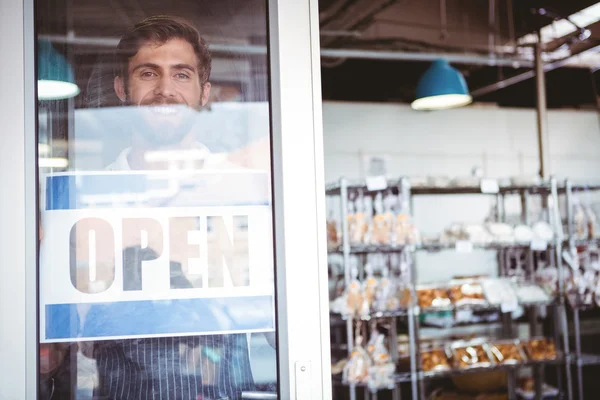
[158, 131]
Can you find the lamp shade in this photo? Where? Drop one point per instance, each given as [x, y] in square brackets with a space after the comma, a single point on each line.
[55, 76]
[441, 87]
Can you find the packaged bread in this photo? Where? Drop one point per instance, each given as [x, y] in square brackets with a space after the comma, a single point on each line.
[333, 239]
[540, 349]
[434, 358]
[382, 223]
[356, 369]
[507, 352]
[471, 354]
[433, 297]
[466, 292]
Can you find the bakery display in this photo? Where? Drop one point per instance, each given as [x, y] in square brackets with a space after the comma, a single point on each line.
[524, 247]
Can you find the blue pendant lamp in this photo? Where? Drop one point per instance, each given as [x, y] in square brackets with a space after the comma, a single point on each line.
[55, 76]
[441, 87]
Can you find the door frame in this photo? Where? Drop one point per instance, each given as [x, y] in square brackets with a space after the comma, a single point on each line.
[299, 202]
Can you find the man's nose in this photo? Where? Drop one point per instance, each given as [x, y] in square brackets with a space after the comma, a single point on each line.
[165, 86]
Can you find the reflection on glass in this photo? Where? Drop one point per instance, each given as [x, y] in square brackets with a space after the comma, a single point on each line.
[156, 267]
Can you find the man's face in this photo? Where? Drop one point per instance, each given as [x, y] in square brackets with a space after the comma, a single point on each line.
[164, 82]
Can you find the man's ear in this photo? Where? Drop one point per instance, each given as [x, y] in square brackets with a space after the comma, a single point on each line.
[120, 89]
[205, 93]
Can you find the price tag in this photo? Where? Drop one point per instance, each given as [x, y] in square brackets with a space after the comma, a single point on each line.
[376, 183]
[464, 246]
[538, 244]
[489, 186]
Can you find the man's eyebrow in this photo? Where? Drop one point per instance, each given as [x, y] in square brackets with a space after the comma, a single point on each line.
[184, 66]
[156, 66]
[145, 65]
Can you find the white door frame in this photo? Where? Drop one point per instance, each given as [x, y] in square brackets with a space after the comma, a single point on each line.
[301, 245]
[301, 254]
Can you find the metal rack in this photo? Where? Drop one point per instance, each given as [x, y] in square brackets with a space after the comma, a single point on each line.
[578, 359]
[553, 252]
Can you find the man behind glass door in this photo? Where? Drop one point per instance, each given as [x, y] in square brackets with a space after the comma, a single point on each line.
[163, 71]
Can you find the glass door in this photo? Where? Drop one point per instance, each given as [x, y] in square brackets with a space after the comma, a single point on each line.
[172, 247]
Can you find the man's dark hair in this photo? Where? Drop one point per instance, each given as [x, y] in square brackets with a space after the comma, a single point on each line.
[158, 30]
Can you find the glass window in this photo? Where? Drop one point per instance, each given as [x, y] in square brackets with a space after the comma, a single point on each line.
[156, 271]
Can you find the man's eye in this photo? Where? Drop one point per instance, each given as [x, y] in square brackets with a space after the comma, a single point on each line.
[147, 74]
[182, 76]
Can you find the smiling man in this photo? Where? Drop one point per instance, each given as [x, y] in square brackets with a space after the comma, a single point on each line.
[163, 68]
[163, 71]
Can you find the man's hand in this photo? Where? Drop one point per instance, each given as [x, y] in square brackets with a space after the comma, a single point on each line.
[51, 356]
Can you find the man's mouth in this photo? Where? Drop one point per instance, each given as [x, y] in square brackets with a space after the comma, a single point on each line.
[164, 110]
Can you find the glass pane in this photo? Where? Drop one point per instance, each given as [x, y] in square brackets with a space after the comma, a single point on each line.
[156, 253]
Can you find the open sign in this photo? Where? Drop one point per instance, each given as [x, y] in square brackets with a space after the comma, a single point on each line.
[148, 271]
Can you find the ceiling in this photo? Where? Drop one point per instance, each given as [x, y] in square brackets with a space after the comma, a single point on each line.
[481, 32]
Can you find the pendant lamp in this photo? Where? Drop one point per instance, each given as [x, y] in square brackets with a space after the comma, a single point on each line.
[55, 76]
[441, 87]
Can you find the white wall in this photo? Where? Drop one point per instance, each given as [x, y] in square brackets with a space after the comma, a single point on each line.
[501, 140]
[450, 143]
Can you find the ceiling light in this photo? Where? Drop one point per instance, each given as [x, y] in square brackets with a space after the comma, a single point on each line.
[441, 87]
[53, 162]
[55, 76]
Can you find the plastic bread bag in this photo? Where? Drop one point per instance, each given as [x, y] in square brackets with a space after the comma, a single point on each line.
[357, 221]
[357, 367]
[501, 232]
[431, 296]
[370, 286]
[354, 294]
[529, 293]
[591, 222]
[382, 222]
[507, 352]
[539, 349]
[434, 357]
[368, 223]
[547, 278]
[471, 354]
[580, 223]
[333, 229]
[385, 299]
[466, 292]
[381, 376]
[381, 372]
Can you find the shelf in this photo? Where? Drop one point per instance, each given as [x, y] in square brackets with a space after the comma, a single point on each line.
[375, 315]
[443, 374]
[434, 247]
[360, 185]
[429, 247]
[404, 377]
[585, 360]
[585, 188]
[369, 248]
[585, 242]
[543, 188]
[452, 308]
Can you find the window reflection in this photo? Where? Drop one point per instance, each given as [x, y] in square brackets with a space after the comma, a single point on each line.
[156, 270]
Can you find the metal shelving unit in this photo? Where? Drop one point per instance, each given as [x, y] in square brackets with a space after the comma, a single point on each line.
[578, 359]
[416, 377]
